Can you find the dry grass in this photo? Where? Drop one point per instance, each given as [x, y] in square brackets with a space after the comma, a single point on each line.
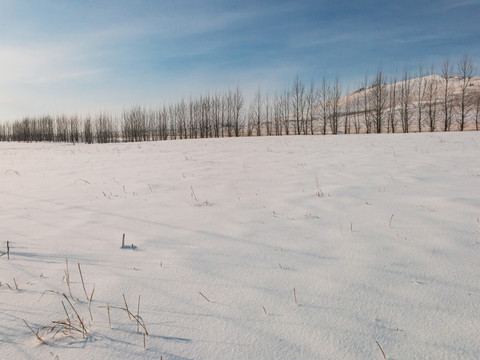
[204, 296]
[319, 192]
[72, 323]
[137, 318]
[35, 333]
[83, 283]
[383, 353]
[67, 280]
[80, 321]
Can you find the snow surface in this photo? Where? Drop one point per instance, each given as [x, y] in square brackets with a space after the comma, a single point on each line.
[243, 222]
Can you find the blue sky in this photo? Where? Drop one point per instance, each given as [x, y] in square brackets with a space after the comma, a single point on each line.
[86, 56]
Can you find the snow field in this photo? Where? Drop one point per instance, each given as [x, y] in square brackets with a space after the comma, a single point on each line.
[245, 222]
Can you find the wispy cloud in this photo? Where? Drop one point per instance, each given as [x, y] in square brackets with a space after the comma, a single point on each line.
[452, 5]
[44, 63]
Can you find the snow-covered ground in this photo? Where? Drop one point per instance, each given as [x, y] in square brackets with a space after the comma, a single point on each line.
[379, 235]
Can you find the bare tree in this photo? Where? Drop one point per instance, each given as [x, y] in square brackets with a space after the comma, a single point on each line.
[268, 114]
[133, 124]
[216, 119]
[181, 118]
[325, 96]
[465, 70]
[251, 119]
[163, 122]
[103, 128]
[431, 99]
[367, 118]
[229, 113]
[277, 114]
[392, 105]
[192, 118]
[223, 113]
[378, 99]
[335, 106]
[356, 112]
[285, 99]
[311, 100]
[447, 74]
[87, 130]
[205, 120]
[5, 131]
[237, 111]
[61, 123]
[257, 111]
[476, 98]
[405, 98]
[347, 109]
[298, 102]
[421, 88]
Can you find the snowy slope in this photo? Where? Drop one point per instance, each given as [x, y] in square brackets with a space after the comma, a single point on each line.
[244, 222]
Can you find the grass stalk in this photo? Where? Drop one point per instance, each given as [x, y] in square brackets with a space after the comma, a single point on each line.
[108, 311]
[35, 333]
[81, 277]
[138, 312]
[126, 307]
[67, 279]
[383, 353]
[90, 303]
[204, 296]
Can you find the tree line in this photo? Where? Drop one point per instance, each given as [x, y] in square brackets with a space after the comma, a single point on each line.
[405, 102]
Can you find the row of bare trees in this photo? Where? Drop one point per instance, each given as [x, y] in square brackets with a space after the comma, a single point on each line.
[397, 103]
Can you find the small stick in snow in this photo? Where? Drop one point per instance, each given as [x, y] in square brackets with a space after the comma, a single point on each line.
[390, 222]
[66, 313]
[264, 310]
[319, 190]
[144, 341]
[67, 279]
[8, 250]
[16, 285]
[193, 194]
[135, 317]
[126, 307]
[123, 241]
[295, 296]
[90, 302]
[108, 311]
[81, 276]
[204, 296]
[138, 312]
[383, 353]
